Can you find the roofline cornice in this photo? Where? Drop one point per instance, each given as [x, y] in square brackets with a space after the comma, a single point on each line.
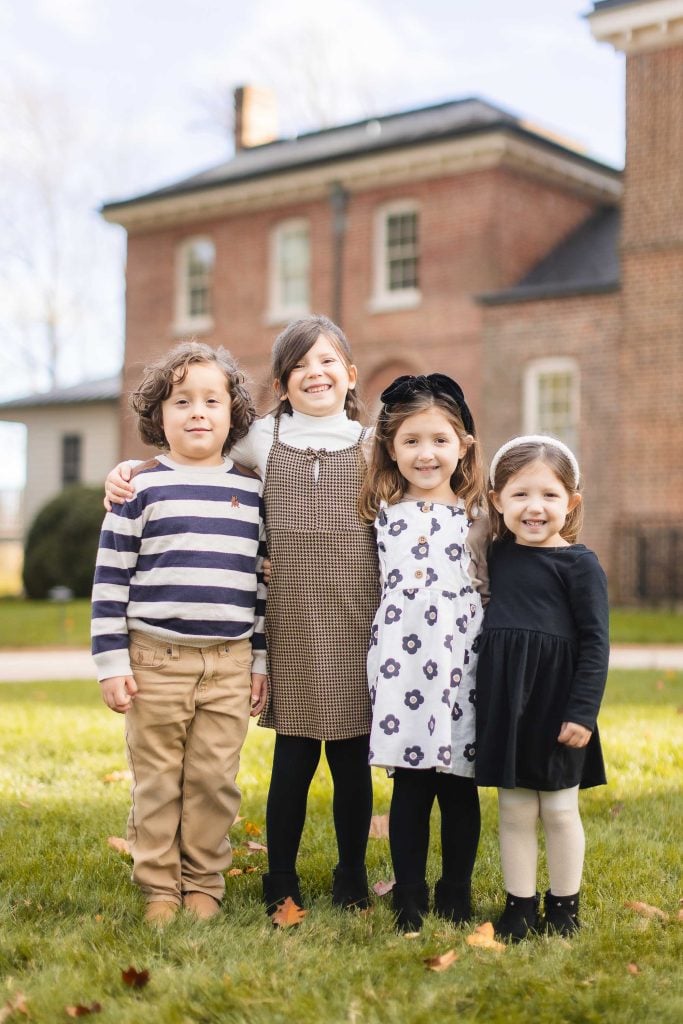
[514, 149]
[637, 27]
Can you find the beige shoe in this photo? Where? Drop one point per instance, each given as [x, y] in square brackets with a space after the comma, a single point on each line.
[201, 905]
[160, 912]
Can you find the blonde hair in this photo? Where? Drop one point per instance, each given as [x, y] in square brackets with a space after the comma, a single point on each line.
[384, 483]
[509, 461]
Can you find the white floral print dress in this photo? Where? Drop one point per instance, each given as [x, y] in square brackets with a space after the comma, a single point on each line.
[422, 658]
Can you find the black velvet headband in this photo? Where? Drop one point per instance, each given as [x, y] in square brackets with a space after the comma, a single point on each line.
[438, 384]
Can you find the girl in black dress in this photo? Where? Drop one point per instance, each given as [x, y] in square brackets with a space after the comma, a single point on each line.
[541, 674]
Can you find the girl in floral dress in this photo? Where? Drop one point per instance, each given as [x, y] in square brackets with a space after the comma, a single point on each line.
[425, 491]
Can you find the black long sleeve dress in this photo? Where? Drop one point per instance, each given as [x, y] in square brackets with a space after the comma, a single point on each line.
[543, 659]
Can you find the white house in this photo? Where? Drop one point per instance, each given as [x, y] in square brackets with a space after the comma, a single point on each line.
[72, 437]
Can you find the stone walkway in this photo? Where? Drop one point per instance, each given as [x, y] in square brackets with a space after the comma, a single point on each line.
[33, 665]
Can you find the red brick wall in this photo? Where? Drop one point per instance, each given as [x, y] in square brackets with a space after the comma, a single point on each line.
[650, 481]
[478, 232]
[586, 328]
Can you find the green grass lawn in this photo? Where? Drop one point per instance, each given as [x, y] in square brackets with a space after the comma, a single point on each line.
[46, 624]
[70, 920]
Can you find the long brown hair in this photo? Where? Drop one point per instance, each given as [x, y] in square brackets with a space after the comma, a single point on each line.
[292, 344]
[384, 483]
[514, 460]
[159, 378]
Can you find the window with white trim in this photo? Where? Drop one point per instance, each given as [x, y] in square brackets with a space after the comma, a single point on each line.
[397, 257]
[194, 284]
[290, 270]
[551, 399]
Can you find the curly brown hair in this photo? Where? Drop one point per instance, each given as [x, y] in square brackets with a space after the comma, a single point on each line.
[160, 377]
[292, 344]
[384, 482]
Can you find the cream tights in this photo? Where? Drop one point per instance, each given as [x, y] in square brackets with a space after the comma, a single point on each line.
[518, 813]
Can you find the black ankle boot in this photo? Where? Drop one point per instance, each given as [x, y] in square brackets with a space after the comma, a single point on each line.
[519, 918]
[453, 901]
[277, 886]
[410, 903]
[350, 888]
[562, 914]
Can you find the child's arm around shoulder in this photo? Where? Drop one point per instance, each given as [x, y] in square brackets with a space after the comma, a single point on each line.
[478, 541]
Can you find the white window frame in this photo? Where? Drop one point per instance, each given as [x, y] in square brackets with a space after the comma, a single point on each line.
[185, 320]
[534, 373]
[279, 310]
[384, 299]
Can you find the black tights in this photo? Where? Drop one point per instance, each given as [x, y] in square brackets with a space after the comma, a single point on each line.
[295, 760]
[411, 805]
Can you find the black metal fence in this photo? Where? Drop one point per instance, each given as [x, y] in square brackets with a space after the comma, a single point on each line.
[649, 567]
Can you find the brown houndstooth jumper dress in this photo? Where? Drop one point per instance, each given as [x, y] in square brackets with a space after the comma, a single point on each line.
[323, 592]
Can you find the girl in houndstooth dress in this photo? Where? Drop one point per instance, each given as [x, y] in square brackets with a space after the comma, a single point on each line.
[426, 490]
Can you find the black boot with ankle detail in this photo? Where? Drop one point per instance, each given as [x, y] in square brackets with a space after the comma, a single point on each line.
[277, 886]
[519, 919]
[410, 903]
[453, 902]
[562, 914]
[350, 888]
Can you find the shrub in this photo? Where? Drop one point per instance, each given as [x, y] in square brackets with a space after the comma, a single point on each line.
[61, 545]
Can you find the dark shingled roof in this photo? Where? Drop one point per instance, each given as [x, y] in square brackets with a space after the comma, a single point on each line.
[413, 127]
[600, 5]
[586, 261]
[107, 389]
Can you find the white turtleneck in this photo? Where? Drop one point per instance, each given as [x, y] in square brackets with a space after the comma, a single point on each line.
[298, 431]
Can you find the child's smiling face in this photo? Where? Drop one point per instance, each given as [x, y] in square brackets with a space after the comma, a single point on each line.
[534, 504]
[427, 450]
[196, 416]
[320, 381]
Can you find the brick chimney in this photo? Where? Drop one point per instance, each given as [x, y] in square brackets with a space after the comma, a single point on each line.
[255, 116]
[650, 370]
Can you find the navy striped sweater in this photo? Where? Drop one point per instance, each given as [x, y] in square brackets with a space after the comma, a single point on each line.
[181, 561]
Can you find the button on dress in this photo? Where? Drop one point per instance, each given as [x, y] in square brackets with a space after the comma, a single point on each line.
[421, 661]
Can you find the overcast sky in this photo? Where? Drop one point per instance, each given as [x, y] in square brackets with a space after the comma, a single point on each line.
[146, 79]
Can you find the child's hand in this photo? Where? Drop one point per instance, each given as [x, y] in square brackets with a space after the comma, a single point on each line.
[574, 735]
[265, 569]
[259, 692]
[117, 488]
[118, 693]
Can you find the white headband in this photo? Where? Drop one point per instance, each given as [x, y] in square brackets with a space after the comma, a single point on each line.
[534, 439]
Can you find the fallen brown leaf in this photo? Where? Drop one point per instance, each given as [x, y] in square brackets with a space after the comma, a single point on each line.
[234, 872]
[134, 979]
[379, 826]
[251, 869]
[119, 844]
[15, 1004]
[124, 776]
[633, 968]
[83, 1011]
[288, 914]
[483, 938]
[251, 845]
[616, 809]
[238, 819]
[382, 888]
[646, 909]
[251, 829]
[442, 961]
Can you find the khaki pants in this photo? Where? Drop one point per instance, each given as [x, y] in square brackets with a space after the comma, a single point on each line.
[184, 734]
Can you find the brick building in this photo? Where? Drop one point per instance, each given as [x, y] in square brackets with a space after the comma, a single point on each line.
[459, 238]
